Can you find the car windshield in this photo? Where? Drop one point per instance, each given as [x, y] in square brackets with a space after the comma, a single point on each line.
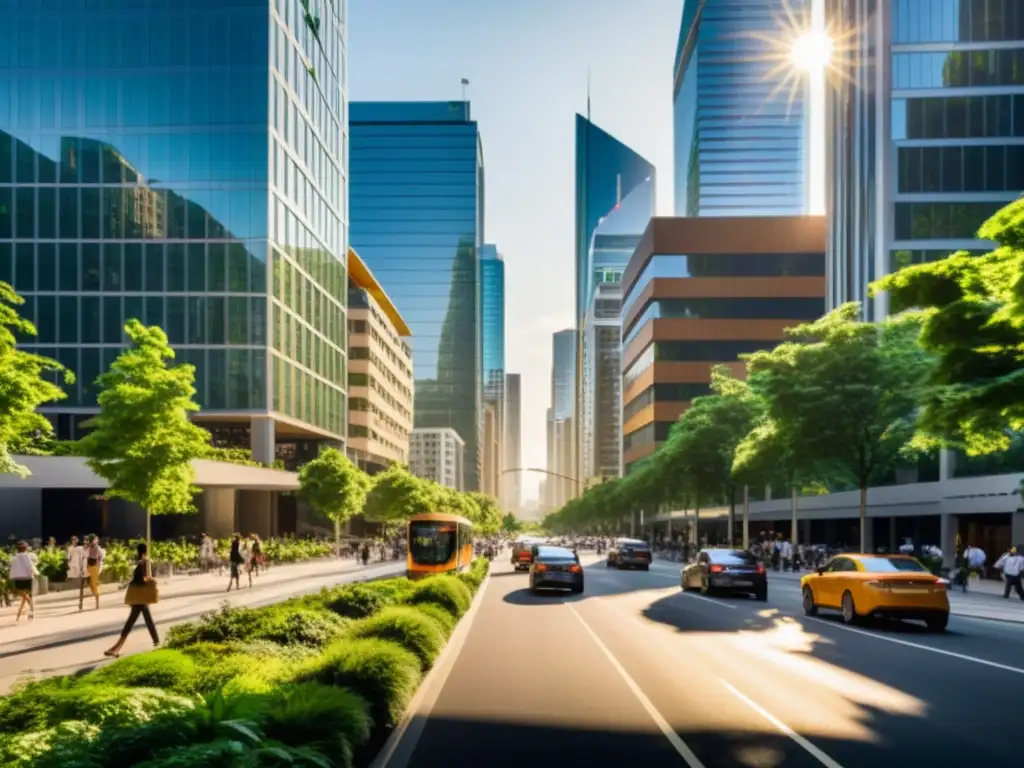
[732, 558]
[892, 565]
[555, 554]
[432, 543]
[634, 545]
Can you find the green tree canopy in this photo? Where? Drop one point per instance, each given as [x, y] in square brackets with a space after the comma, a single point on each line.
[488, 518]
[509, 524]
[844, 392]
[24, 386]
[333, 486]
[973, 325]
[397, 494]
[142, 442]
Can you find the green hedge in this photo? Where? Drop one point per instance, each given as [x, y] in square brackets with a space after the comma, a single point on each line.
[313, 681]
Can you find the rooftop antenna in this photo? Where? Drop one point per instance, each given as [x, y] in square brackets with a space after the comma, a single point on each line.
[465, 83]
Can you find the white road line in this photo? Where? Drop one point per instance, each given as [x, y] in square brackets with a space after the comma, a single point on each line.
[808, 746]
[921, 647]
[711, 600]
[670, 733]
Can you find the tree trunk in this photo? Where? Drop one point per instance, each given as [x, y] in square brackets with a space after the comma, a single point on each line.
[696, 524]
[795, 533]
[149, 532]
[337, 538]
[746, 517]
[863, 517]
[732, 515]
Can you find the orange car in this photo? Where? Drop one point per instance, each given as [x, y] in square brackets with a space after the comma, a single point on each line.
[895, 586]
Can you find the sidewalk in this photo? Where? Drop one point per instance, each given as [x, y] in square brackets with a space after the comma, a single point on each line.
[62, 640]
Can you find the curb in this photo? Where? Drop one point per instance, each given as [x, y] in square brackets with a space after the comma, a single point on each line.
[401, 744]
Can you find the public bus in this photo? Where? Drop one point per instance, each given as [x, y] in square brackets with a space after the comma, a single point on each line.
[438, 543]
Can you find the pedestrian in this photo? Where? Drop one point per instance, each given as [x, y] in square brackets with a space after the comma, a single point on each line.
[23, 574]
[1012, 564]
[205, 553]
[77, 568]
[237, 559]
[366, 553]
[141, 593]
[256, 559]
[94, 555]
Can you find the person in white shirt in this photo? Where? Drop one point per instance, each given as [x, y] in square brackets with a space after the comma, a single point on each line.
[23, 574]
[975, 558]
[786, 550]
[1012, 564]
[907, 547]
[205, 553]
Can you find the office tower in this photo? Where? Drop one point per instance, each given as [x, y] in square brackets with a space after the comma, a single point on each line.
[513, 483]
[416, 213]
[490, 450]
[740, 128]
[550, 485]
[437, 454]
[923, 134]
[615, 198]
[563, 404]
[380, 375]
[701, 292]
[492, 314]
[175, 163]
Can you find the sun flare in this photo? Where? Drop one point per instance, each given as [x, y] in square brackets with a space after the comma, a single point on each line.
[812, 51]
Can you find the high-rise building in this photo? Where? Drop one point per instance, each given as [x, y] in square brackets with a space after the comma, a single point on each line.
[437, 454]
[740, 131]
[492, 314]
[563, 406]
[175, 163]
[416, 211]
[615, 198]
[511, 489]
[379, 375]
[701, 292]
[491, 451]
[923, 134]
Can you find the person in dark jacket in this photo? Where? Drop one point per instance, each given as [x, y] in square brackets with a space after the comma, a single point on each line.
[237, 560]
[141, 593]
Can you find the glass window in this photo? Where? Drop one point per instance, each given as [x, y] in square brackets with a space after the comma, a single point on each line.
[46, 319]
[68, 320]
[893, 565]
[238, 320]
[133, 267]
[88, 373]
[68, 267]
[46, 258]
[154, 312]
[196, 267]
[175, 268]
[216, 267]
[113, 324]
[175, 320]
[68, 213]
[216, 379]
[198, 308]
[238, 395]
[24, 267]
[112, 279]
[25, 213]
[90, 320]
[154, 267]
[238, 268]
[90, 213]
[432, 543]
[47, 213]
[6, 262]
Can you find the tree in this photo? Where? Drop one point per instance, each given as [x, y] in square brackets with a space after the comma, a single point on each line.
[142, 442]
[334, 487]
[972, 310]
[397, 494]
[488, 515]
[23, 385]
[844, 393]
[509, 524]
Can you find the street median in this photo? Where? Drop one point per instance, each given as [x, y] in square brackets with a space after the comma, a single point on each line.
[319, 680]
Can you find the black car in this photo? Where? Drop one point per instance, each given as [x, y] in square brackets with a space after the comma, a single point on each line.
[629, 553]
[726, 570]
[556, 568]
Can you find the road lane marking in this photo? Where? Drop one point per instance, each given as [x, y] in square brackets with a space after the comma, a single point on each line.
[922, 647]
[823, 758]
[670, 733]
[400, 747]
[710, 600]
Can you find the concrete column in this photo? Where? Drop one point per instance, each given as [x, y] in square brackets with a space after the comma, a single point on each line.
[947, 464]
[893, 544]
[869, 534]
[219, 506]
[262, 439]
[1016, 529]
[746, 517]
[255, 513]
[948, 526]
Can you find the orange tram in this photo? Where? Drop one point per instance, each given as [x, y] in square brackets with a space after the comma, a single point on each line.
[438, 543]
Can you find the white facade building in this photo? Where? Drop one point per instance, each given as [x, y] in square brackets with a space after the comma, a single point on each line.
[437, 454]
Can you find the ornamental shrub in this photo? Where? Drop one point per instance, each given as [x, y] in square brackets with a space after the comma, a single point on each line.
[447, 592]
[410, 628]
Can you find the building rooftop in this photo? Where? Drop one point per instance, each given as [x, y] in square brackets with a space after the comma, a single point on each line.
[360, 276]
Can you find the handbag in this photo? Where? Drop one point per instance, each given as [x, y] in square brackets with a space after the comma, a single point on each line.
[146, 593]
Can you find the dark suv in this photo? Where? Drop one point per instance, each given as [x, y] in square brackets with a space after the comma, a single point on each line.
[629, 553]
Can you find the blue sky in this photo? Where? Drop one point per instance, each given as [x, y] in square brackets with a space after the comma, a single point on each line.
[527, 61]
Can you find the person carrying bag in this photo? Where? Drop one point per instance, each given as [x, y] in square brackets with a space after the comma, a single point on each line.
[142, 592]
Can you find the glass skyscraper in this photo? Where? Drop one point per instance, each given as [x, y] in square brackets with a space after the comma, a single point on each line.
[925, 135]
[740, 132]
[492, 318]
[416, 214]
[181, 162]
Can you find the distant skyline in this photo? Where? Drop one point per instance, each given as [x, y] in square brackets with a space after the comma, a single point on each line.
[527, 64]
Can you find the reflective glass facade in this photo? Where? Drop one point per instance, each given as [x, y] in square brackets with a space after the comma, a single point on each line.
[492, 289]
[739, 130]
[179, 165]
[563, 374]
[915, 172]
[416, 213]
[607, 175]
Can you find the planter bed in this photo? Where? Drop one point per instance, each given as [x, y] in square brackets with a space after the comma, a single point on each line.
[319, 680]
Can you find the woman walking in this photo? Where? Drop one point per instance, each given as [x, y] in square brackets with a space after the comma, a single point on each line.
[94, 566]
[255, 557]
[23, 574]
[141, 593]
[237, 559]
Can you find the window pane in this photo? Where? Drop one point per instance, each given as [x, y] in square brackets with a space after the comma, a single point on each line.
[46, 266]
[24, 267]
[216, 267]
[196, 267]
[90, 267]
[133, 267]
[175, 320]
[46, 319]
[6, 262]
[68, 268]
[216, 309]
[154, 267]
[175, 268]
[113, 325]
[155, 311]
[238, 320]
[112, 267]
[238, 379]
[47, 213]
[216, 381]
[68, 332]
[90, 320]
[90, 371]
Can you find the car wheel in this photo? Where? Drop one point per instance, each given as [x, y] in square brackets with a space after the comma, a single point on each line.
[810, 608]
[938, 623]
[577, 589]
[762, 595]
[646, 567]
[849, 609]
[608, 563]
[705, 589]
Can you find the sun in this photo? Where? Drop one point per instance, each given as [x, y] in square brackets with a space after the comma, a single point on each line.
[811, 51]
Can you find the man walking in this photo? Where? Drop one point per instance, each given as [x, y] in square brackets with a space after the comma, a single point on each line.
[1012, 564]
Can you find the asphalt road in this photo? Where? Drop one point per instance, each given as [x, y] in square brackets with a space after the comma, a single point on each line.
[634, 672]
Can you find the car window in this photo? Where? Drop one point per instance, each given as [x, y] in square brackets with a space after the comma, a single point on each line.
[732, 558]
[892, 565]
[836, 565]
